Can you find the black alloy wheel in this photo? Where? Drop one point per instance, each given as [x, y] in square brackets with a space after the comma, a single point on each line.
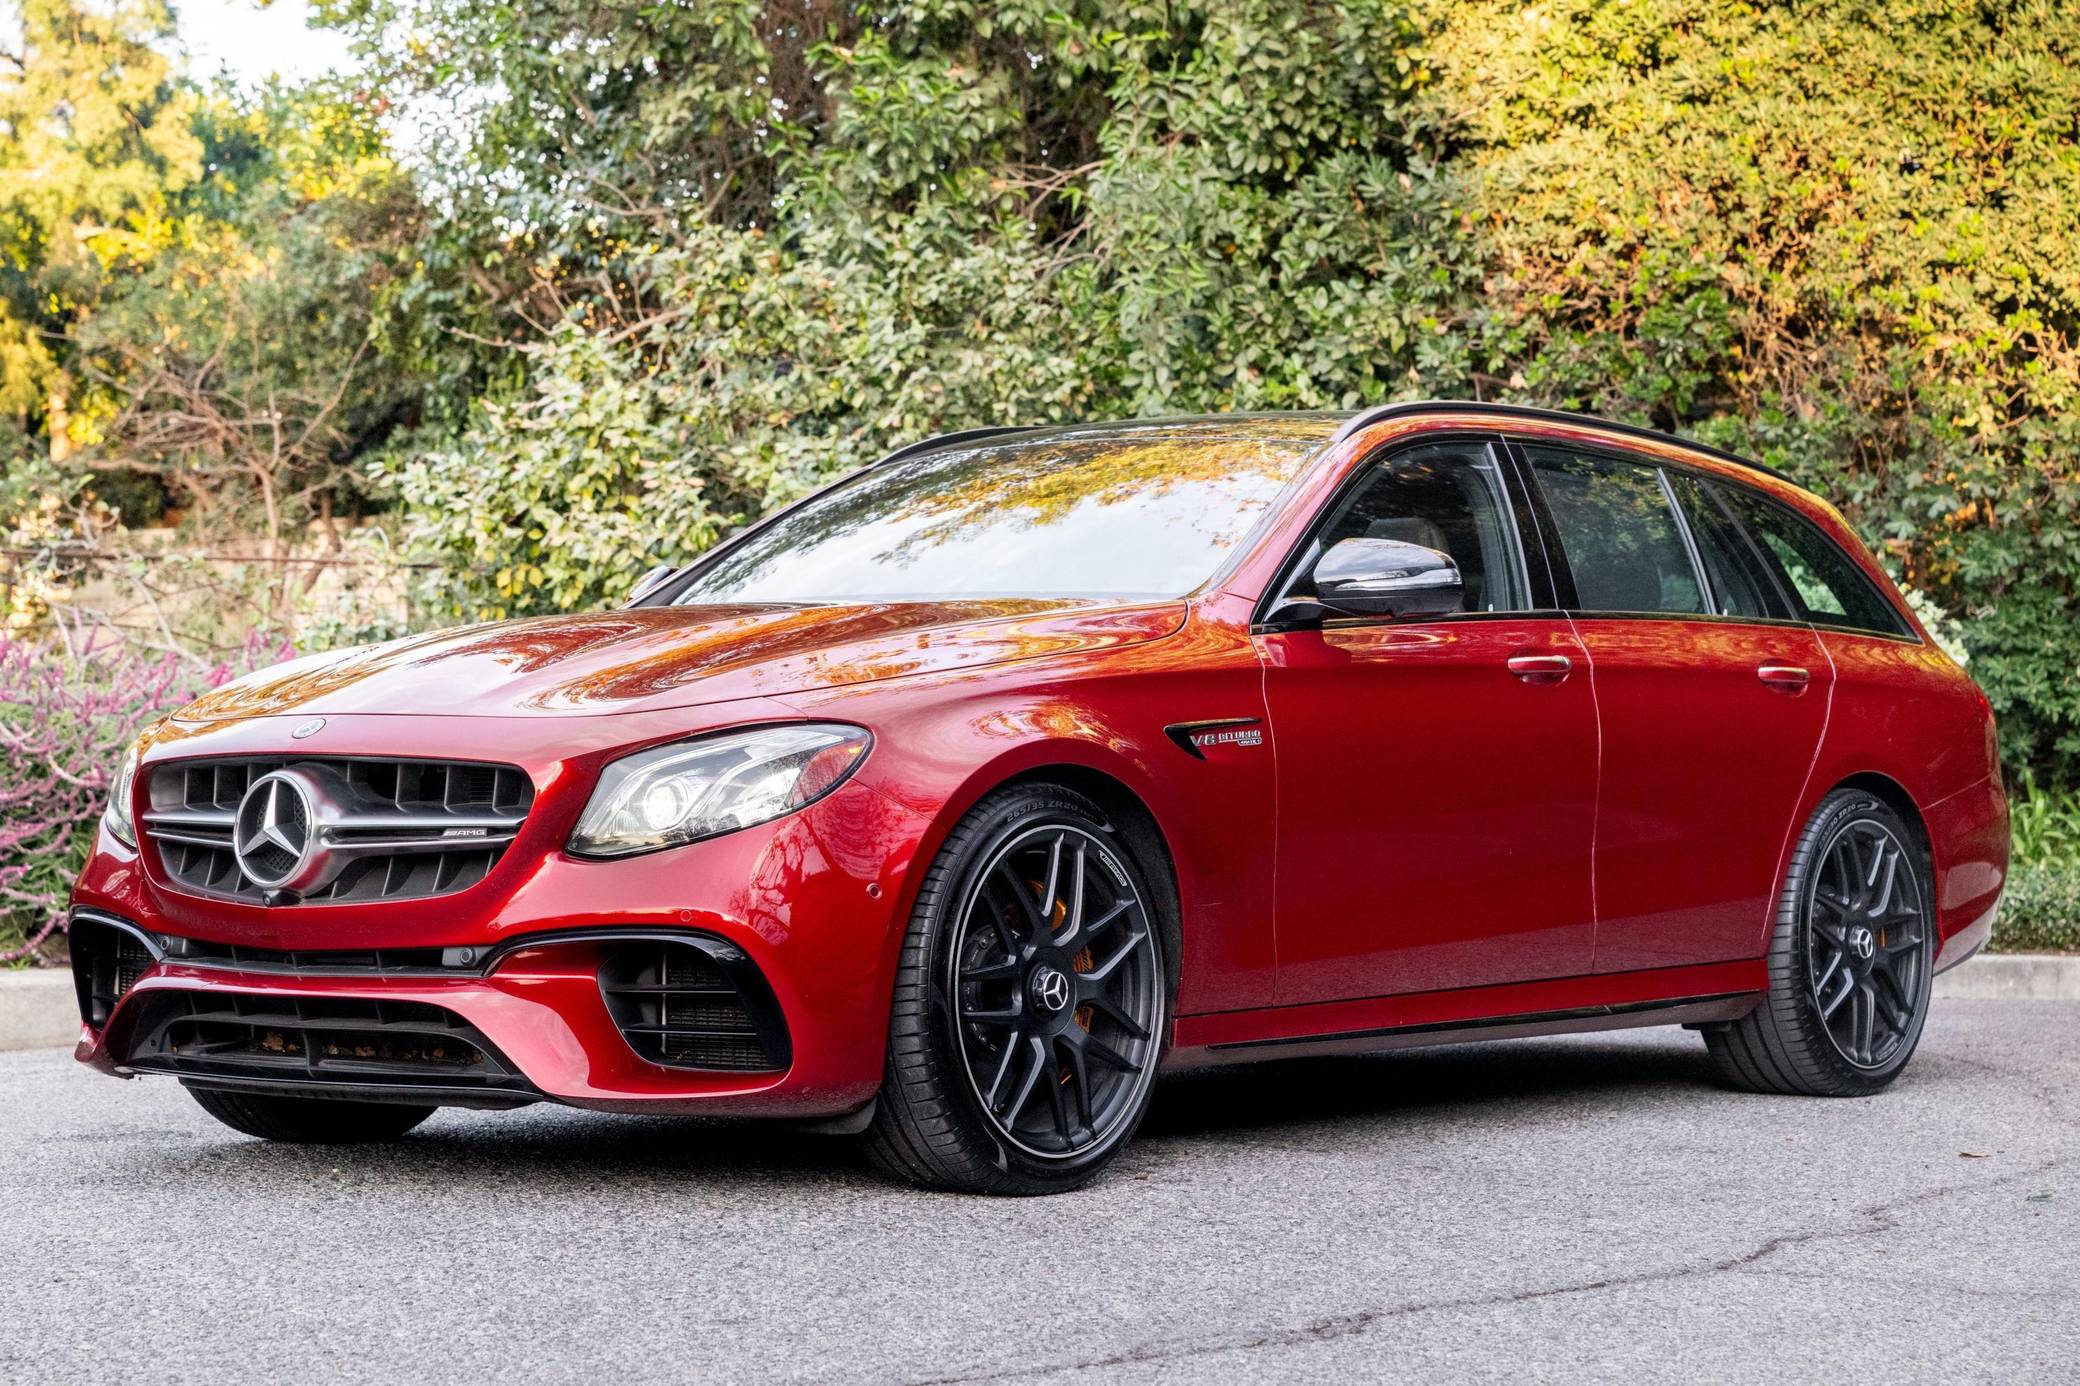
[1867, 942]
[1851, 959]
[1056, 991]
[1032, 1006]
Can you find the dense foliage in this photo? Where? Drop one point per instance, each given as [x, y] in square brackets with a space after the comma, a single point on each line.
[2040, 909]
[646, 270]
[737, 247]
[190, 278]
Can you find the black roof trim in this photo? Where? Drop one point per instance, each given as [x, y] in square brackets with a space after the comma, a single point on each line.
[1379, 414]
[950, 440]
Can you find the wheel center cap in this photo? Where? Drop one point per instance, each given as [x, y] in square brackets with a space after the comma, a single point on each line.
[1862, 943]
[1050, 989]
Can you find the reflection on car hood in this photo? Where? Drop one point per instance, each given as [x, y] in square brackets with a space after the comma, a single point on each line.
[660, 657]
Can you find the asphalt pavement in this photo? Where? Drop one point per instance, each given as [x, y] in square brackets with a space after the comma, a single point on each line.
[1591, 1208]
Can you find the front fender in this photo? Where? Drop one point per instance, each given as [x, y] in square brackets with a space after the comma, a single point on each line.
[942, 745]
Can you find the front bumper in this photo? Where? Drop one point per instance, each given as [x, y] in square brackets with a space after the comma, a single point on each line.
[536, 1018]
[812, 905]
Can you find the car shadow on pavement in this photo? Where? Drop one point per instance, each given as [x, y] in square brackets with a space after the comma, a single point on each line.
[546, 1146]
[1474, 1081]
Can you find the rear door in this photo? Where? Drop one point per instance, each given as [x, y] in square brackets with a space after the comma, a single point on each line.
[1711, 697]
[1435, 775]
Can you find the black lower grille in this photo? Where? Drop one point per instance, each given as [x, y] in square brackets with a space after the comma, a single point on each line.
[318, 1041]
[698, 1004]
[107, 960]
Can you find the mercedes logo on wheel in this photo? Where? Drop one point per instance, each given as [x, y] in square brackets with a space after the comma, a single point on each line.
[1861, 943]
[272, 837]
[1050, 989]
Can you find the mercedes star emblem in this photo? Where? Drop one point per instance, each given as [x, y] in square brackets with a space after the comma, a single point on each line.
[272, 837]
[1050, 989]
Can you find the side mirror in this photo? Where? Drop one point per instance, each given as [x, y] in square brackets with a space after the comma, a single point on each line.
[648, 583]
[1386, 577]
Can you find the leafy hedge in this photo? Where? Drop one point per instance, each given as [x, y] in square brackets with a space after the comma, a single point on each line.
[2040, 911]
[685, 262]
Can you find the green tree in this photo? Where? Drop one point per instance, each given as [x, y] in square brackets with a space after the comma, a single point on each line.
[95, 139]
[243, 373]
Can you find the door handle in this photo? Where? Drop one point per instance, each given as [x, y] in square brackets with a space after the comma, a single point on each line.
[1785, 678]
[1540, 668]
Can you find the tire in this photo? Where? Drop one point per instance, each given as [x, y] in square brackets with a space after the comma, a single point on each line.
[309, 1120]
[1855, 933]
[1024, 1037]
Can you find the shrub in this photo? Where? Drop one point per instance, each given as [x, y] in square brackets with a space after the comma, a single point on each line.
[69, 708]
[709, 256]
[2044, 823]
[2040, 912]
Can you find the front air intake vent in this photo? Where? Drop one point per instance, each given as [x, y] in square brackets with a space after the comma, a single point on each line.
[107, 960]
[321, 1044]
[387, 829]
[694, 1003]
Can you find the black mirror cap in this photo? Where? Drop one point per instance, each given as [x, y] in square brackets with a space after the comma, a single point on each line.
[1387, 577]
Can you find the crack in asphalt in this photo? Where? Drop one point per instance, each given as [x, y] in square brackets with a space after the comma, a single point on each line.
[1878, 1219]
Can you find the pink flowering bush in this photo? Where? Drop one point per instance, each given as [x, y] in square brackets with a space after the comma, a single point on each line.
[70, 704]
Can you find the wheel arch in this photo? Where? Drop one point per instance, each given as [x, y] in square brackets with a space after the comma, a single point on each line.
[1880, 786]
[1129, 814]
[1893, 795]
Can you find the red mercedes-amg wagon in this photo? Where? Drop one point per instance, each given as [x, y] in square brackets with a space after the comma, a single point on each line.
[952, 803]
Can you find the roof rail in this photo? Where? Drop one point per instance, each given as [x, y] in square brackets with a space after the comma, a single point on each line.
[948, 440]
[1365, 418]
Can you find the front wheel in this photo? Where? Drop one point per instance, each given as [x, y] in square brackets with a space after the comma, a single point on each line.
[1850, 961]
[1031, 1003]
[309, 1120]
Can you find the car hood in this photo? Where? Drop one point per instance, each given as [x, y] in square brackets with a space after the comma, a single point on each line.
[649, 658]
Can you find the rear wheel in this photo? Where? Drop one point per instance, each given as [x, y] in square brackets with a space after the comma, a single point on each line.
[1031, 1003]
[309, 1120]
[1850, 961]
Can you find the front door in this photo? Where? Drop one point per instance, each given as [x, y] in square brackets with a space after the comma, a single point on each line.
[1437, 775]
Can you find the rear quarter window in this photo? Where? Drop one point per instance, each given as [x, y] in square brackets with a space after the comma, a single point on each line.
[1829, 587]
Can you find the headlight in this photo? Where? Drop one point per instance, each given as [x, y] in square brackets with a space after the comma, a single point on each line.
[118, 815]
[694, 789]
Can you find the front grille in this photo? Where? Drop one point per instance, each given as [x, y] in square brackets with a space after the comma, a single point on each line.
[682, 1003]
[106, 963]
[317, 1041]
[406, 829]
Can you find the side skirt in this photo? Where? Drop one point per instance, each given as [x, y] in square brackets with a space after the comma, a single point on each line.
[1699, 995]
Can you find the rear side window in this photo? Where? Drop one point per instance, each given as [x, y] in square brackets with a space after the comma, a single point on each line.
[1623, 542]
[1740, 583]
[1829, 586]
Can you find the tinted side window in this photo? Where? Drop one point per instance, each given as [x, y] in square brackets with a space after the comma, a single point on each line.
[1446, 496]
[1622, 541]
[1826, 582]
[1740, 584]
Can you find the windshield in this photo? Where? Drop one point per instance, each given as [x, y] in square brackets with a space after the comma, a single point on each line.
[1134, 512]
